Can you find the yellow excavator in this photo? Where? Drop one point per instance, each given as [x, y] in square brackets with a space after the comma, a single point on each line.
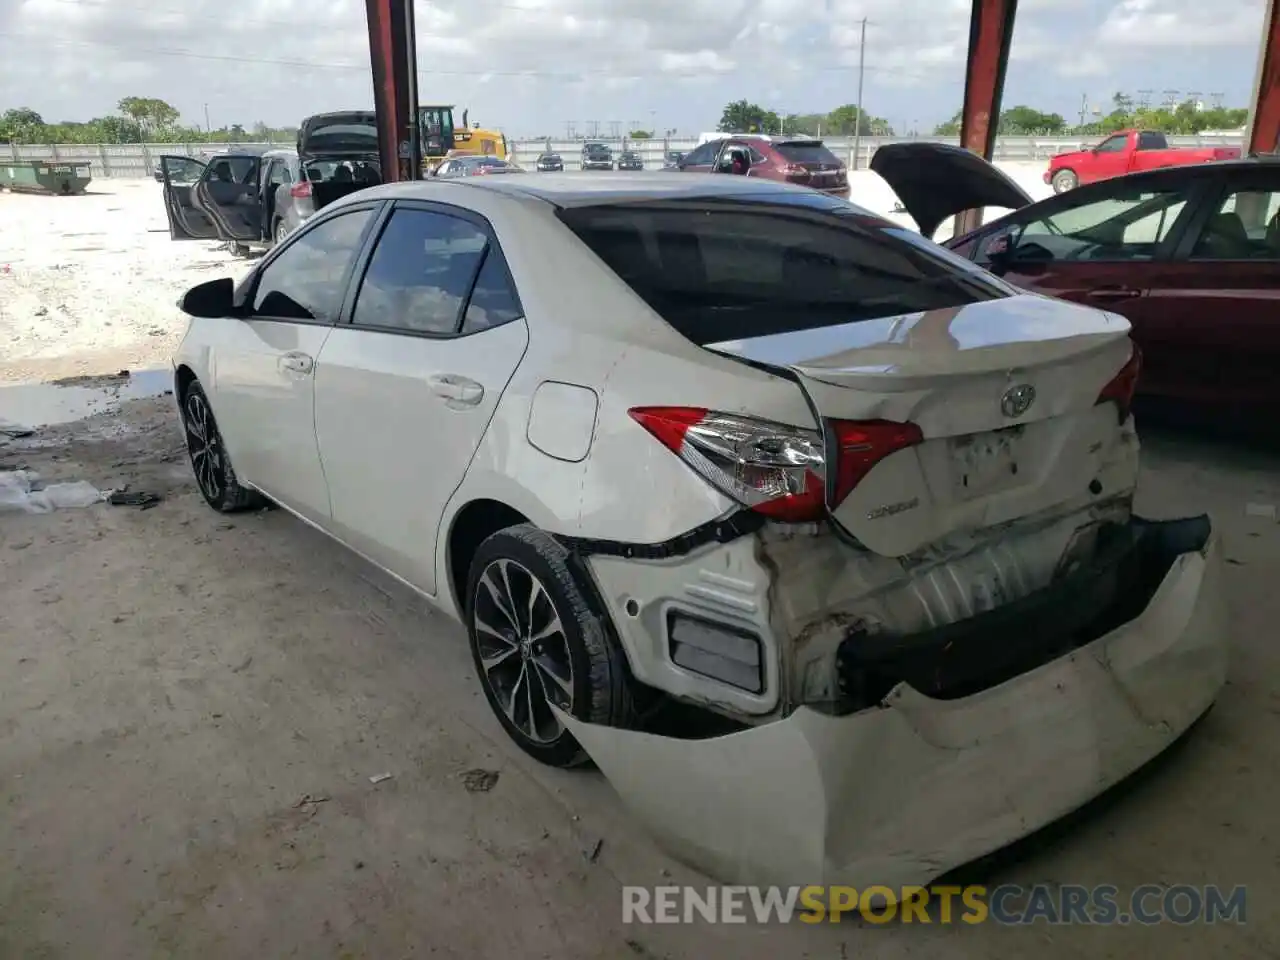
[441, 139]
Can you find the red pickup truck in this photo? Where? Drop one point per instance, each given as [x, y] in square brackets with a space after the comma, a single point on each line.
[1127, 152]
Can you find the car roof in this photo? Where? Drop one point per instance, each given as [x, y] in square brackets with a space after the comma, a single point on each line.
[573, 190]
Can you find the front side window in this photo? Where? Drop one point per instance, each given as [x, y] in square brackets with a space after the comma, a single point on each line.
[422, 273]
[1129, 225]
[1246, 226]
[731, 268]
[1113, 144]
[704, 154]
[308, 279]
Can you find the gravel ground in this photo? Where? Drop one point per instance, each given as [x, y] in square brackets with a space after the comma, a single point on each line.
[88, 284]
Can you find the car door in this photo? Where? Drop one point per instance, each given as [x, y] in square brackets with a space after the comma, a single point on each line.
[407, 387]
[1101, 249]
[186, 220]
[228, 194]
[702, 159]
[264, 363]
[1110, 159]
[1213, 330]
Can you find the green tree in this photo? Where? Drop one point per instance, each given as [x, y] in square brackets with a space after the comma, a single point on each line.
[1022, 120]
[21, 125]
[845, 121]
[743, 117]
[641, 135]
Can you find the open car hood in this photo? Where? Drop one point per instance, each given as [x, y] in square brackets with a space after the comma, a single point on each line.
[935, 181]
[344, 133]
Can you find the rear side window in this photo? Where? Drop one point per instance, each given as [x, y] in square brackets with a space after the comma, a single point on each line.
[1152, 141]
[809, 151]
[730, 268]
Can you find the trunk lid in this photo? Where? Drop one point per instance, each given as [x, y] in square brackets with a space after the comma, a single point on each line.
[343, 133]
[935, 181]
[1004, 393]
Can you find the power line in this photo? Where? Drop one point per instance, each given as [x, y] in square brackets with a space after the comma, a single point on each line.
[364, 67]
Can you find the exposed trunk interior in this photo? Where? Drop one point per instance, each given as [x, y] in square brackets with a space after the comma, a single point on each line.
[964, 658]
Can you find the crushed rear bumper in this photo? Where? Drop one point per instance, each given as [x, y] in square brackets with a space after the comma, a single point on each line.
[905, 791]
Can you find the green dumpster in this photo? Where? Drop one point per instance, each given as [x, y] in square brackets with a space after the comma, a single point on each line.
[45, 176]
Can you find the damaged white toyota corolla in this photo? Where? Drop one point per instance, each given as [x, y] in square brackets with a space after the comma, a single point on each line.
[815, 538]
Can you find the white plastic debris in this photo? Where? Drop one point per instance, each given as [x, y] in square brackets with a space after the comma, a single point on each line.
[379, 777]
[1265, 510]
[22, 491]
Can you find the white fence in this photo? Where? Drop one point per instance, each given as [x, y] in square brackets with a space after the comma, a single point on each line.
[138, 160]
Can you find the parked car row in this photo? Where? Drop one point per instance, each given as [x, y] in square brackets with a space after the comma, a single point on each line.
[733, 484]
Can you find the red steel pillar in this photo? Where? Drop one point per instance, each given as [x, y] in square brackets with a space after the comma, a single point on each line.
[1264, 118]
[391, 52]
[990, 32]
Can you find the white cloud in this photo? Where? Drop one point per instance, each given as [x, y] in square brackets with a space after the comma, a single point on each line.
[527, 65]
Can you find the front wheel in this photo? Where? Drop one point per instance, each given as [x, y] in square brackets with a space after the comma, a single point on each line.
[536, 642]
[209, 460]
[1065, 180]
[281, 231]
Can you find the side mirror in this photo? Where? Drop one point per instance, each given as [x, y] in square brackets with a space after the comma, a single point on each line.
[212, 299]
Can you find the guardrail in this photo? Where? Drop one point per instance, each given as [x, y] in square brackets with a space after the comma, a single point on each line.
[138, 159]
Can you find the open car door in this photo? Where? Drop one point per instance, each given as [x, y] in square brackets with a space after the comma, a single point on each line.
[186, 221]
[227, 194]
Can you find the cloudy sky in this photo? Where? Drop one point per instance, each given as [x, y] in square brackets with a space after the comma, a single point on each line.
[532, 66]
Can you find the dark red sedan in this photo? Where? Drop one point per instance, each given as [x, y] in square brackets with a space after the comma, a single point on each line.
[1189, 255]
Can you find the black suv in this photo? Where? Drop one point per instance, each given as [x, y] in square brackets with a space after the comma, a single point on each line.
[549, 163]
[596, 156]
[630, 161]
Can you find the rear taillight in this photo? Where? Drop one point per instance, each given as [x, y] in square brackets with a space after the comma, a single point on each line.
[1123, 385]
[771, 468]
[301, 191]
[793, 171]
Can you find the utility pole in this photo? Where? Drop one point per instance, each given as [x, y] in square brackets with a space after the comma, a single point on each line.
[862, 70]
[1084, 107]
[207, 127]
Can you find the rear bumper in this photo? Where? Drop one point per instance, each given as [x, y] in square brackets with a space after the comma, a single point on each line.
[906, 790]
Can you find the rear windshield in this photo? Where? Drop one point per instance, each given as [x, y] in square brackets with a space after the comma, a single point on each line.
[808, 151]
[729, 268]
[342, 136]
[358, 171]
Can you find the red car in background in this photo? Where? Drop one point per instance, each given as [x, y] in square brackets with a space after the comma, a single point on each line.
[1189, 255]
[799, 160]
[1128, 151]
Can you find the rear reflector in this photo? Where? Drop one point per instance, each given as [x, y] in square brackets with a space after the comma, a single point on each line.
[716, 651]
[300, 191]
[1123, 385]
[772, 468]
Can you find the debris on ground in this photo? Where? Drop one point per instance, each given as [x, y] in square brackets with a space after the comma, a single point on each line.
[379, 777]
[134, 498]
[14, 431]
[308, 800]
[592, 853]
[479, 780]
[22, 491]
[1266, 511]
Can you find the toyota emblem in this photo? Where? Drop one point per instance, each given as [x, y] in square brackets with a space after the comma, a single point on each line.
[1017, 400]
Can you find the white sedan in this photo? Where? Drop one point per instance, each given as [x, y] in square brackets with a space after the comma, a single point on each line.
[815, 538]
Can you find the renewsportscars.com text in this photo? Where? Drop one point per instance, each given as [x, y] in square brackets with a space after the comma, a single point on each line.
[1009, 904]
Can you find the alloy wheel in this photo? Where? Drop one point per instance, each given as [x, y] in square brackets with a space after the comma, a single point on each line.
[523, 650]
[204, 446]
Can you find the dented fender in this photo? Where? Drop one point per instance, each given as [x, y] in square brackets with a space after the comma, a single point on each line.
[907, 790]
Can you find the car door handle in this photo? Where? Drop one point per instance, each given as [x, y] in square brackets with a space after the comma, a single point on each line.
[450, 386]
[297, 363]
[1114, 293]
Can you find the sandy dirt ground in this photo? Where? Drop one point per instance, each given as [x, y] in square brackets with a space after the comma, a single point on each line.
[88, 284]
[192, 706]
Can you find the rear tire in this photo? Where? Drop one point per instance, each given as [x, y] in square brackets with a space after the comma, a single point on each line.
[279, 232]
[210, 462]
[1065, 180]
[529, 621]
